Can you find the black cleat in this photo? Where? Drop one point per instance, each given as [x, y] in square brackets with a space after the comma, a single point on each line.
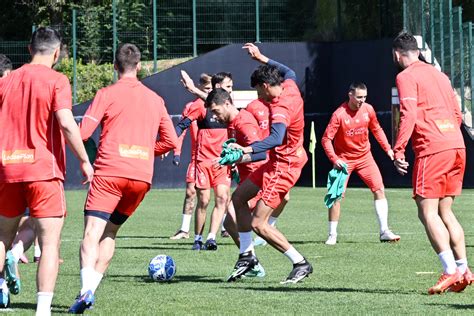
[247, 261]
[300, 271]
[210, 244]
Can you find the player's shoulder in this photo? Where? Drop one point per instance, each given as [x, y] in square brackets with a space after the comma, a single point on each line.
[340, 110]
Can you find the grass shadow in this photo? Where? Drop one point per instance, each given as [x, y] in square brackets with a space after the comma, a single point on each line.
[292, 288]
[454, 306]
[142, 237]
[163, 247]
[176, 279]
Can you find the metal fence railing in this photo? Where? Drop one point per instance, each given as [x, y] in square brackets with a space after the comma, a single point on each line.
[448, 41]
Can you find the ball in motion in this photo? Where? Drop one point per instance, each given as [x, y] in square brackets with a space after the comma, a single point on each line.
[162, 268]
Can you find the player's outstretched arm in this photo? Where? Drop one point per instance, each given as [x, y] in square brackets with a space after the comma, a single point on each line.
[255, 53]
[73, 137]
[188, 83]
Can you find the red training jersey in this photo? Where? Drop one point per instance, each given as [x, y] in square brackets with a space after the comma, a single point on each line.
[288, 109]
[211, 133]
[350, 131]
[429, 112]
[245, 129]
[261, 113]
[31, 141]
[193, 131]
[131, 116]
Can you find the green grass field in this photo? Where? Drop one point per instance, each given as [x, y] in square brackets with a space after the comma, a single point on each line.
[357, 276]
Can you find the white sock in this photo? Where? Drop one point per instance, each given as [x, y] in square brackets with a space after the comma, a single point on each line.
[17, 251]
[37, 251]
[333, 227]
[294, 255]
[198, 238]
[222, 224]
[186, 222]
[211, 236]
[96, 281]
[381, 209]
[43, 306]
[447, 260]
[272, 221]
[246, 243]
[87, 279]
[462, 265]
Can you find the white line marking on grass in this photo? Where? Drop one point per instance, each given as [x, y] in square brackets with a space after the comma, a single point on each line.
[425, 272]
[6, 310]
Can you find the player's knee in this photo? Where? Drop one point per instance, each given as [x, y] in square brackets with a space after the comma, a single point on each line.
[203, 202]
[190, 193]
[259, 226]
[379, 194]
[222, 199]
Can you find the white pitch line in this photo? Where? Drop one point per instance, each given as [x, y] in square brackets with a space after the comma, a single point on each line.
[425, 272]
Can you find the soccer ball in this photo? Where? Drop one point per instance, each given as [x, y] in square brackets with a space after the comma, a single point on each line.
[162, 268]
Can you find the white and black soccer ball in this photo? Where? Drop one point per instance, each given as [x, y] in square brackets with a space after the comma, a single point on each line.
[162, 268]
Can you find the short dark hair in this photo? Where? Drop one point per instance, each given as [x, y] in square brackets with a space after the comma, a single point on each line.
[266, 74]
[127, 57]
[357, 85]
[405, 42]
[44, 41]
[219, 77]
[218, 96]
[204, 79]
[5, 64]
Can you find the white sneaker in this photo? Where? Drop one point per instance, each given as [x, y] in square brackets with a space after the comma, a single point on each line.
[332, 240]
[389, 236]
[259, 241]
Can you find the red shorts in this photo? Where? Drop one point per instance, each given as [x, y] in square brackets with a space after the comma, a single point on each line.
[439, 175]
[275, 181]
[109, 194]
[44, 198]
[208, 176]
[367, 170]
[191, 173]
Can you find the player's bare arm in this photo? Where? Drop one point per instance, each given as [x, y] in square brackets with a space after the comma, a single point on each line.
[188, 83]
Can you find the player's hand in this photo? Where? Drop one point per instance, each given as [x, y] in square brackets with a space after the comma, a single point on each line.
[339, 164]
[401, 165]
[162, 157]
[255, 53]
[176, 160]
[391, 154]
[187, 82]
[87, 172]
[216, 164]
[245, 150]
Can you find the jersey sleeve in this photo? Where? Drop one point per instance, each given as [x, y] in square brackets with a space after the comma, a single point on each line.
[167, 135]
[377, 130]
[196, 111]
[407, 93]
[62, 94]
[329, 134]
[93, 116]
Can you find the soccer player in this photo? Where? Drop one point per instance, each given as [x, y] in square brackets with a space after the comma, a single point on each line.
[261, 113]
[211, 135]
[349, 129]
[35, 106]
[431, 118]
[190, 198]
[132, 117]
[273, 180]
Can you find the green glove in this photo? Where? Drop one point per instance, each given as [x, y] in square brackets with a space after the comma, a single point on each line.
[228, 142]
[230, 156]
[235, 176]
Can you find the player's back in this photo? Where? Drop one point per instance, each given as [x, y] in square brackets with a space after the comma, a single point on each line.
[438, 115]
[261, 113]
[132, 115]
[289, 109]
[31, 141]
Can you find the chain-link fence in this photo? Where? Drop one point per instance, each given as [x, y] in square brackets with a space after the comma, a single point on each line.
[447, 41]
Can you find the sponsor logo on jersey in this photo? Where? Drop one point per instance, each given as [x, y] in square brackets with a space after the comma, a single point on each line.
[445, 125]
[17, 156]
[134, 151]
[356, 131]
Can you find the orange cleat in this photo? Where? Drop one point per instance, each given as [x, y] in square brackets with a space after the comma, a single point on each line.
[468, 278]
[445, 282]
